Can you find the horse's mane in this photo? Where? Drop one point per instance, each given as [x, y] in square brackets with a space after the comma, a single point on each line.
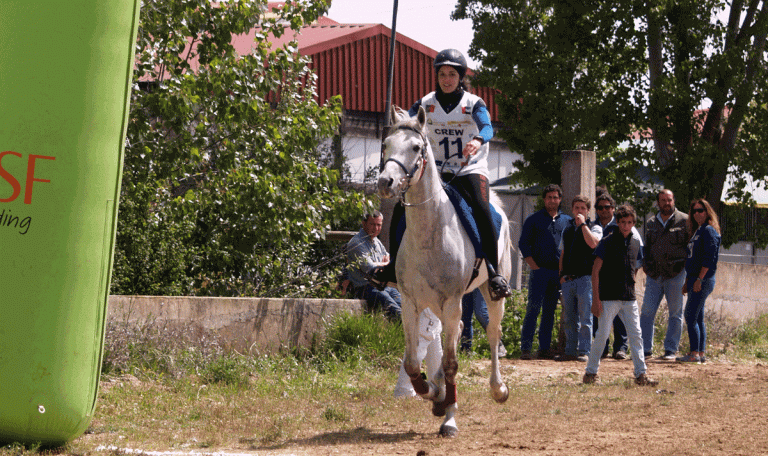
[408, 121]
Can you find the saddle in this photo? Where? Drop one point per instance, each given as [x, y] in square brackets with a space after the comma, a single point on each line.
[464, 212]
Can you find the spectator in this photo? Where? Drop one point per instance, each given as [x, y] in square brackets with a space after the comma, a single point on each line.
[666, 241]
[366, 254]
[577, 247]
[617, 259]
[538, 243]
[605, 207]
[700, 267]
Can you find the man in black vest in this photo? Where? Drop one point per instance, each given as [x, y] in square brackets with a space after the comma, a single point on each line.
[617, 259]
[577, 247]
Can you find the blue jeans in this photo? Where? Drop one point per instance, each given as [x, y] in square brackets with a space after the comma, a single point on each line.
[694, 314]
[577, 315]
[627, 311]
[543, 294]
[388, 300]
[672, 289]
[472, 302]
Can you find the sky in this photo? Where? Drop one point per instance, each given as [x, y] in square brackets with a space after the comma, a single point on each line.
[426, 21]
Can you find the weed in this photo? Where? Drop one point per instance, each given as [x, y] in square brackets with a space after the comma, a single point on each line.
[228, 369]
[362, 338]
[157, 349]
[753, 331]
[334, 413]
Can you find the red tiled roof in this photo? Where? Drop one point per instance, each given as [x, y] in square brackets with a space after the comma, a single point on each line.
[351, 60]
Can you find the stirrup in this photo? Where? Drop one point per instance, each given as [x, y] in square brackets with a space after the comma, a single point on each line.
[499, 289]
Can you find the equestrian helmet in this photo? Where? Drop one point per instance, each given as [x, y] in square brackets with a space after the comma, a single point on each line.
[451, 57]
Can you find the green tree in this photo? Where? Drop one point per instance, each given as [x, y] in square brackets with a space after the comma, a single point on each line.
[222, 193]
[588, 74]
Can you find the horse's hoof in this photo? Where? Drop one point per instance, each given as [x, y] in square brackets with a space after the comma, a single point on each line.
[502, 395]
[448, 431]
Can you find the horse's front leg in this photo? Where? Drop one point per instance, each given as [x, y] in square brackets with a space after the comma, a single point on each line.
[499, 390]
[411, 360]
[448, 407]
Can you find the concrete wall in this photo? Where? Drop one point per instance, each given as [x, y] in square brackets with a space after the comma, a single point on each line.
[744, 252]
[269, 325]
[741, 290]
[246, 324]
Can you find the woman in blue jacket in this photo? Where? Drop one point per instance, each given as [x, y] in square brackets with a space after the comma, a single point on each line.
[700, 267]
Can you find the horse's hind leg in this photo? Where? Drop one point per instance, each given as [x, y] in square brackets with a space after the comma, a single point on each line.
[499, 390]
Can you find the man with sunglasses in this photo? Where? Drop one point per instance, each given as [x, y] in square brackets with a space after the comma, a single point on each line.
[666, 242]
[605, 207]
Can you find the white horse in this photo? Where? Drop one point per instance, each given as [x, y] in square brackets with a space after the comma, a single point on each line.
[435, 263]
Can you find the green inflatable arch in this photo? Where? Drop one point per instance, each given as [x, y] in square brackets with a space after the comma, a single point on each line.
[65, 79]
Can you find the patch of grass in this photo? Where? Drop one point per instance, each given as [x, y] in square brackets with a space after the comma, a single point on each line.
[230, 369]
[157, 349]
[751, 338]
[366, 338]
[335, 413]
[753, 332]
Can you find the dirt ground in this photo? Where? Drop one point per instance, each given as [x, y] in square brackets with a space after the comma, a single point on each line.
[719, 408]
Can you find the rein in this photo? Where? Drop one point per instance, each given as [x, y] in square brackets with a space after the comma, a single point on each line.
[410, 174]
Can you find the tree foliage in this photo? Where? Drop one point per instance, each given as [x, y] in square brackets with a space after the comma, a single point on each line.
[222, 192]
[588, 74]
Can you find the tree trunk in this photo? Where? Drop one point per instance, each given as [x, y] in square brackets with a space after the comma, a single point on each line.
[656, 113]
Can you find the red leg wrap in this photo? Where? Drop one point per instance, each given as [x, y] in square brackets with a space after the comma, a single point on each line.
[450, 393]
[420, 384]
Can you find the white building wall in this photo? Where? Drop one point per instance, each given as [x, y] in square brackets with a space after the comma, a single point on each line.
[362, 154]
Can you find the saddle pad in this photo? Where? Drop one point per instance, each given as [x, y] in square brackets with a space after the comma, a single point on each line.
[467, 220]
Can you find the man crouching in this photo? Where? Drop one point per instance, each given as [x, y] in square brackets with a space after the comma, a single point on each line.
[617, 258]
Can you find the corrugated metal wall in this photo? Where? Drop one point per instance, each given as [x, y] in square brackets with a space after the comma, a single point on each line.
[358, 72]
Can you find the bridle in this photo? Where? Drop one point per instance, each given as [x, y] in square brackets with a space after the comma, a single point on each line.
[419, 163]
[409, 174]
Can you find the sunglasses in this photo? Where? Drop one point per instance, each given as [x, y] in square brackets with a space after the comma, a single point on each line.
[603, 208]
[699, 210]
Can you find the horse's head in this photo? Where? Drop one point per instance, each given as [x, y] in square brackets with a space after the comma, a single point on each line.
[405, 153]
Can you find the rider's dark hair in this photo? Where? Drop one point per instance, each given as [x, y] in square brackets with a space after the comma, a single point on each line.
[455, 59]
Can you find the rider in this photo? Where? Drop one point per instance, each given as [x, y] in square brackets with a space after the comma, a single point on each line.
[459, 131]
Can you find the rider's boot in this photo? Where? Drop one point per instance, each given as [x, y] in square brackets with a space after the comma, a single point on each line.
[498, 286]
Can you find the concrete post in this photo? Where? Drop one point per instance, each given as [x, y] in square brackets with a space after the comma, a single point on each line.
[578, 177]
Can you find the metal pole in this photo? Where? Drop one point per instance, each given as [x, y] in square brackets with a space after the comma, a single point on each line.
[390, 73]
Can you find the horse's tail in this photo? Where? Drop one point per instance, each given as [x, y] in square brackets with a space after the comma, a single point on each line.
[495, 199]
[505, 236]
